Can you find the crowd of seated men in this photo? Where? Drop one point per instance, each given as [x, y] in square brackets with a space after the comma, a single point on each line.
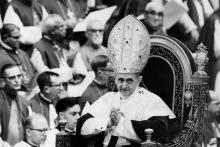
[49, 72]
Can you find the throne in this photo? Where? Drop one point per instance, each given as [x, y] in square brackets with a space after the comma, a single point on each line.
[179, 79]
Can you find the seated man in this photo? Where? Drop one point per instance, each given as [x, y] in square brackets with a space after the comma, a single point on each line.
[36, 127]
[67, 109]
[92, 48]
[124, 115]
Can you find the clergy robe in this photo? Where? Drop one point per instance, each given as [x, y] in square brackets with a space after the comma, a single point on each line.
[25, 144]
[44, 106]
[141, 110]
[22, 144]
[88, 53]
[47, 51]
[6, 97]
[92, 93]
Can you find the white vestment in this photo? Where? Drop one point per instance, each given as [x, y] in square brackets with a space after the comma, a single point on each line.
[141, 105]
[22, 144]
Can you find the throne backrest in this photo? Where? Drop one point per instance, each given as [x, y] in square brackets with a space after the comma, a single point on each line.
[167, 73]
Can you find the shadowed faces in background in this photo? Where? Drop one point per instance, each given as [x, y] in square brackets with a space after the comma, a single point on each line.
[11, 36]
[94, 32]
[154, 12]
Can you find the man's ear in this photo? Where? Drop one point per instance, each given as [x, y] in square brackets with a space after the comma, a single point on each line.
[46, 89]
[27, 131]
[2, 82]
[99, 71]
[61, 115]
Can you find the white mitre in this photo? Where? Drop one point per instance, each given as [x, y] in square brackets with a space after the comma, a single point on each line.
[129, 46]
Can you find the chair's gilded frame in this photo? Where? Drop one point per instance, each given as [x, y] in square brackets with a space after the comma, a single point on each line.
[190, 91]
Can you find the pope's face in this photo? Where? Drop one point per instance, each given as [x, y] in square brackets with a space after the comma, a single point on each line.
[127, 83]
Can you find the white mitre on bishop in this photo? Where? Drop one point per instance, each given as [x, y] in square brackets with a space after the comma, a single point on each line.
[129, 46]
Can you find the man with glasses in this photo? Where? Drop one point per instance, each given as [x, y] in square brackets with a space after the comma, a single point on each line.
[103, 82]
[153, 18]
[36, 127]
[13, 109]
[10, 53]
[51, 90]
[92, 48]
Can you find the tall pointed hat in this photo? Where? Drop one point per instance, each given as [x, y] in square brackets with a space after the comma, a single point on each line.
[129, 46]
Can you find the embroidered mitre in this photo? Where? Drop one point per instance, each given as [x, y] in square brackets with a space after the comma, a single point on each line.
[129, 46]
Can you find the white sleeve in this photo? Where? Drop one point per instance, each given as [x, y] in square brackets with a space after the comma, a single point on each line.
[12, 17]
[79, 65]
[125, 129]
[93, 126]
[50, 139]
[217, 84]
[187, 23]
[37, 61]
[1, 23]
[30, 34]
[100, 112]
[4, 143]
[216, 39]
[208, 10]
[45, 14]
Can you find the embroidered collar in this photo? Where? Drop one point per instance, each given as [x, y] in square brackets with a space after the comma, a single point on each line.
[126, 98]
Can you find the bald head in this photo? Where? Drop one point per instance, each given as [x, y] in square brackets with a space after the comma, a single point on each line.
[36, 127]
[34, 120]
